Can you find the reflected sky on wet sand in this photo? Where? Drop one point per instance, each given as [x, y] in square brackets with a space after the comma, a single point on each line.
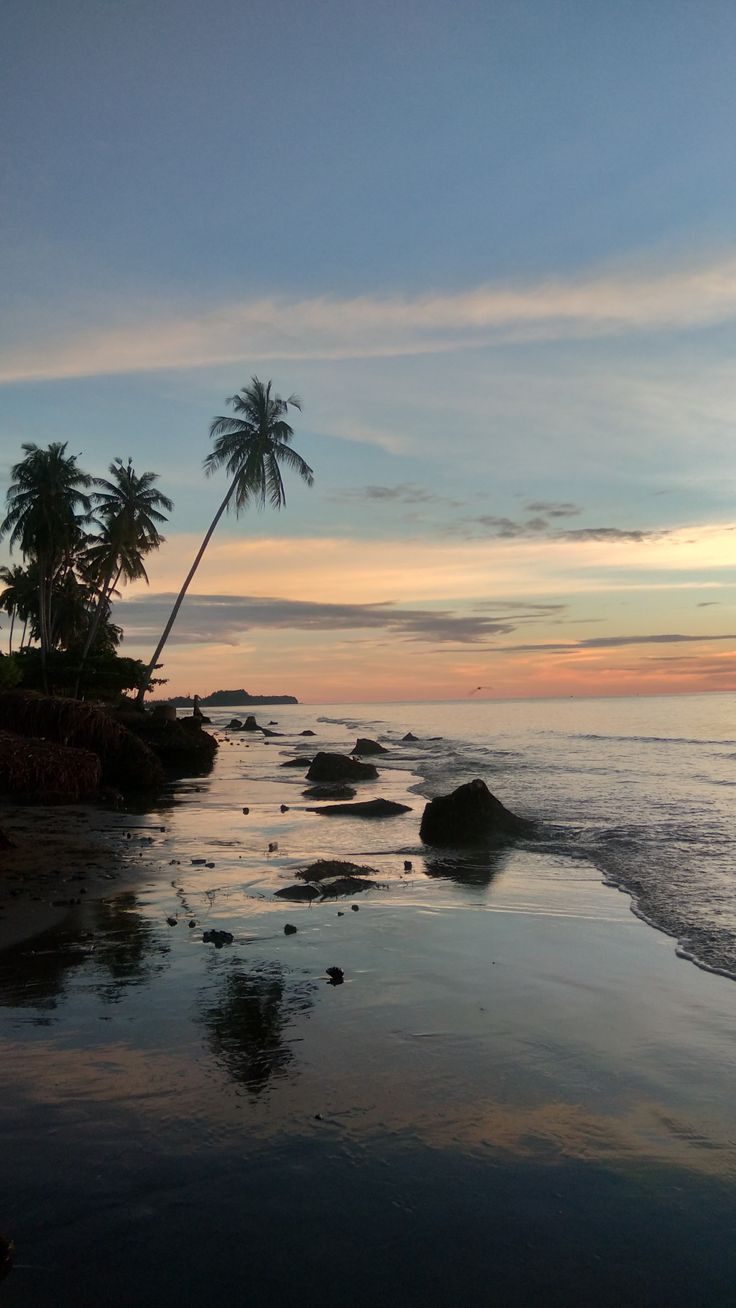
[504, 1074]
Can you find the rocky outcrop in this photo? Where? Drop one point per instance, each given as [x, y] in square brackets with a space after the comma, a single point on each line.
[336, 790]
[235, 725]
[339, 767]
[370, 808]
[365, 746]
[409, 736]
[45, 772]
[471, 815]
[326, 868]
[297, 762]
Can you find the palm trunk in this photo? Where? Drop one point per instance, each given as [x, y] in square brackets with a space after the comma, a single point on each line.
[10, 637]
[105, 594]
[180, 597]
[43, 629]
[23, 635]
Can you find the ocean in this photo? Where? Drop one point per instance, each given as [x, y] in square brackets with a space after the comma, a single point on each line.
[641, 788]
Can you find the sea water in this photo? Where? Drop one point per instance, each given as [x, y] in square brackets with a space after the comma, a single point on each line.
[641, 788]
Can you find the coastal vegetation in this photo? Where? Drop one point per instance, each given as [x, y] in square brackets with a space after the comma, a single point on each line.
[79, 537]
[251, 446]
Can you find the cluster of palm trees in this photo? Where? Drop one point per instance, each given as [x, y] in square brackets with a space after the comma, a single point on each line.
[79, 536]
[82, 536]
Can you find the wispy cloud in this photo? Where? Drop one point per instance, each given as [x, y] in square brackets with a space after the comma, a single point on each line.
[224, 618]
[613, 642]
[503, 528]
[328, 327]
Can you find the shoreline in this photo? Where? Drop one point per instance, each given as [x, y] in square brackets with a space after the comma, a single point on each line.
[62, 853]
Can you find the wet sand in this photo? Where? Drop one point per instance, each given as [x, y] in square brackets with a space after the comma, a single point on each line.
[62, 857]
[519, 1095]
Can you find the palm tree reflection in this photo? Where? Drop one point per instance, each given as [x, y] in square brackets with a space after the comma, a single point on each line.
[112, 945]
[247, 1026]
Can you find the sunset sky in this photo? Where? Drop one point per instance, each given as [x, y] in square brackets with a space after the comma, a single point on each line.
[489, 243]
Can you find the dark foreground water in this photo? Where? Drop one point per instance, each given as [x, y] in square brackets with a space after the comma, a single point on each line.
[520, 1094]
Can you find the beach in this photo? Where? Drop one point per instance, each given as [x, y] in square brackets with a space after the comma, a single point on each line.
[519, 1094]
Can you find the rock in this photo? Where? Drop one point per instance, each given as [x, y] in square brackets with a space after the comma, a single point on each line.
[339, 767]
[273, 846]
[355, 908]
[471, 815]
[340, 914]
[370, 808]
[409, 736]
[297, 763]
[250, 724]
[303, 893]
[235, 725]
[199, 862]
[407, 865]
[172, 921]
[345, 886]
[164, 713]
[336, 975]
[325, 868]
[335, 791]
[284, 808]
[191, 924]
[289, 930]
[307, 733]
[246, 811]
[273, 723]
[364, 746]
[218, 938]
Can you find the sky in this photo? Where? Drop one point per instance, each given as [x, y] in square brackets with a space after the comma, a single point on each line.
[491, 247]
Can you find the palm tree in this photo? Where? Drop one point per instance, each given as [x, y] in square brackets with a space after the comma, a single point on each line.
[128, 509]
[251, 446]
[46, 502]
[15, 599]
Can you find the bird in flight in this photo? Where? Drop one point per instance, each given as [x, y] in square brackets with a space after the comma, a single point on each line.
[475, 689]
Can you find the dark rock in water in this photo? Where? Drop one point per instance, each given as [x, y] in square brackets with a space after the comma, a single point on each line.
[407, 865]
[345, 886]
[250, 724]
[303, 893]
[364, 746]
[172, 921]
[471, 815]
[334, 791]
[336, 975]
[325, 868]
[218, 938]
[370, 808]
[307, 733]
[300, 762]
[273, 723]
[289, 930]
[235, 725]
[191, 924]
[339, 767]
[246, 811]
[355, 908]
[409, 736]
[284, 808]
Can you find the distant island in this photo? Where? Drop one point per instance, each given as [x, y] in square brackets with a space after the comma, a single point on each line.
[218, 698]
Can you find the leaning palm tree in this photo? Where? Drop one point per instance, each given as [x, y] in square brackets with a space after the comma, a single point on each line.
[251, 446]
[46, 502]
[128, 510]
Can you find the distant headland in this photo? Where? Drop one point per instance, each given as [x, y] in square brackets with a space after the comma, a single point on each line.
[218, 698]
